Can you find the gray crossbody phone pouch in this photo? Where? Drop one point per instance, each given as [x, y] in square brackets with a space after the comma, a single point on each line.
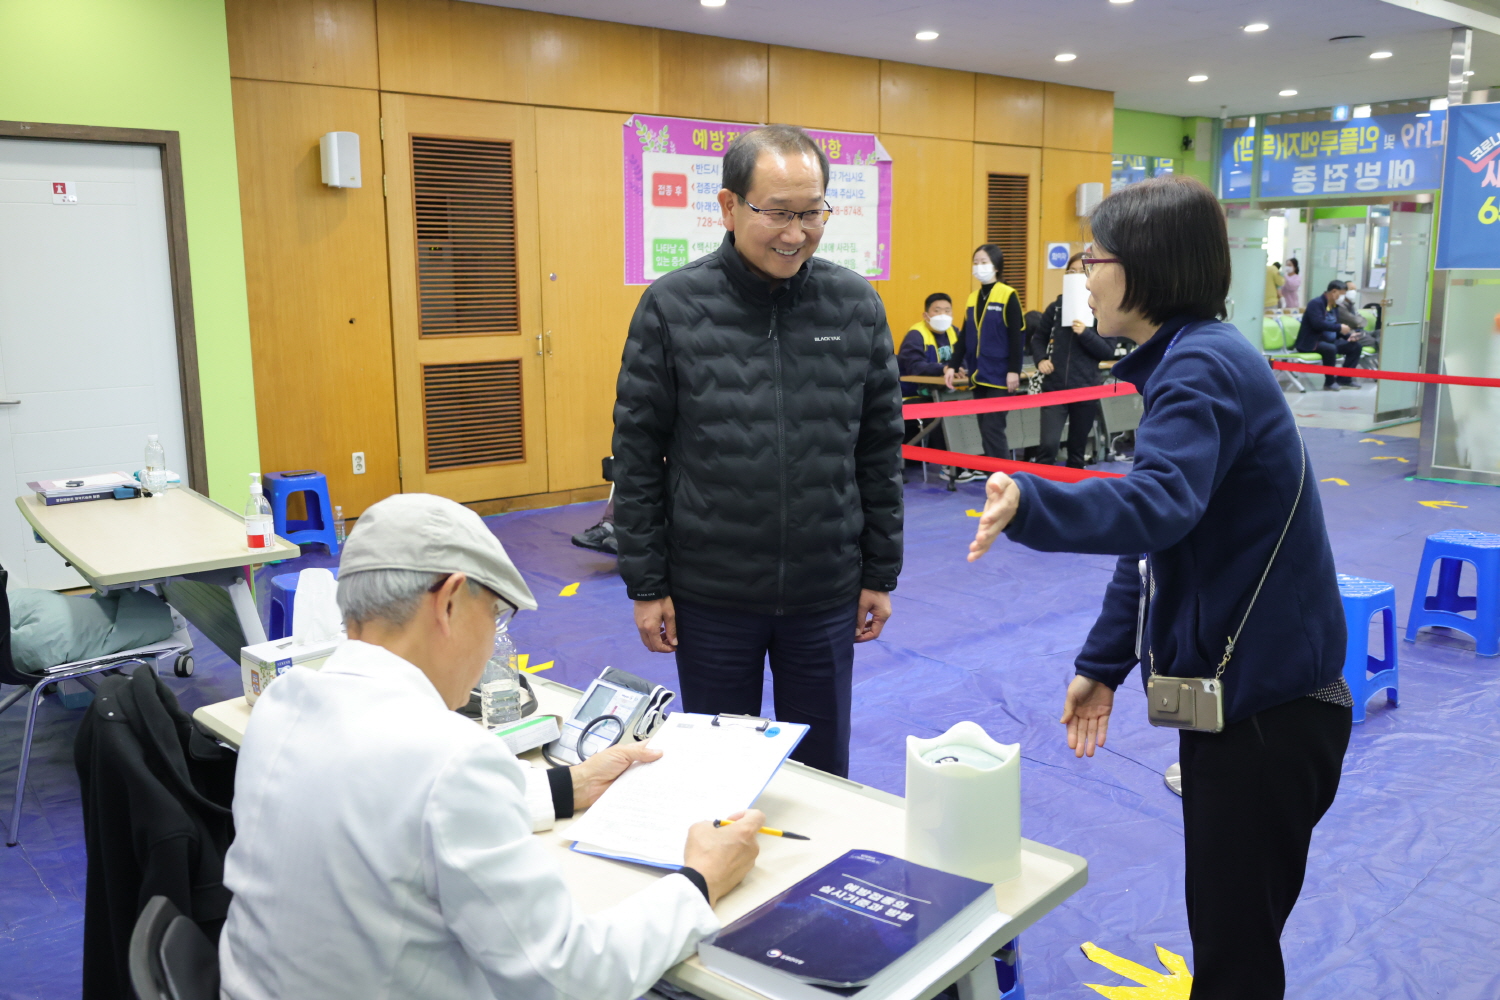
[1197, 703]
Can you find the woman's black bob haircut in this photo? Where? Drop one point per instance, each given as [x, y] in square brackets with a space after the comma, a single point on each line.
[1170, 237]
[996, 256]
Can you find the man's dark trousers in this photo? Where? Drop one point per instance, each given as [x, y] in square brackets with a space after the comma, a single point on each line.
[992, 425]
[1080, 419]
[721, 656]
[1331, 350]
[1251, 796]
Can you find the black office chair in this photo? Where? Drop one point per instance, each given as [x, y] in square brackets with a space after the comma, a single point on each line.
[170, 958]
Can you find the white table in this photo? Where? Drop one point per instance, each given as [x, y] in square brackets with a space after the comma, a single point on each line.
[182, 533]
[839, 815]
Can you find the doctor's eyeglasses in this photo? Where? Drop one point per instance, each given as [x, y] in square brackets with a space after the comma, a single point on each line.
[775, 218]
[505, 614]
[1090, 262]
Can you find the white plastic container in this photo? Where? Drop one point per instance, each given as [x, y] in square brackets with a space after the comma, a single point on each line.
[260, 530]
[963, 804]
[263, 662]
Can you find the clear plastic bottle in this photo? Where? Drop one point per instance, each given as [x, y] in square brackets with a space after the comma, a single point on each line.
[338, 524]
[154, 476]
[259, 529]
[500, 687]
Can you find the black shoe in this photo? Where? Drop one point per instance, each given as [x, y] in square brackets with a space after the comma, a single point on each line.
[600, 538]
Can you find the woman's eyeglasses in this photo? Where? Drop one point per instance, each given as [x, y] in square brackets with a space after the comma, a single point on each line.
[1089, 262]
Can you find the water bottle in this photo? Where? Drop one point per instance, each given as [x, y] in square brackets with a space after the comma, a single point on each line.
[154, 476]
[338, 524]
[500, 687]
[259, 529]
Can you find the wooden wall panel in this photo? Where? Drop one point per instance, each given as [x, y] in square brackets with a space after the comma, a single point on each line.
[329, 42]
[1007, 111]
[453, 49]
[706, 77]
[320, 326]
[579, 63]
[586, 310]
[1012, 160]
[1062, 171]
[823, 90]
[924, 100]
[931, 226]
[1078, 118]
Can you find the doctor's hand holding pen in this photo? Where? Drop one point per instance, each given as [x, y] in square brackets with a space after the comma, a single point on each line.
[1088, 703]
[724, 855]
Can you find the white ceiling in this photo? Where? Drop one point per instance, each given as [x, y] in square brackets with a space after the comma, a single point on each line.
[1144, 51]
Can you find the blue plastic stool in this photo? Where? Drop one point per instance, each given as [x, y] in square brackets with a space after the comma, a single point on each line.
[283, 600]
[1363, 600]
[1007, 973]
[318, 527]
[1451, 549]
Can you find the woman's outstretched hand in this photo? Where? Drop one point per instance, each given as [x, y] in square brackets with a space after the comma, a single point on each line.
[1086, 714]
[1002, 497]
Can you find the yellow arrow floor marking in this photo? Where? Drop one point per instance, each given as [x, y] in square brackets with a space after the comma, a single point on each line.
[1177, 984]
[1443, 503]
[1389, 458]
[972, 513]
[1334, 479]
[538, 668]
[1371, 441]
[568, 591]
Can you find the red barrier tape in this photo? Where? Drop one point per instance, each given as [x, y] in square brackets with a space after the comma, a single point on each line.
[999, 404]
[1292, 366]
[984, 463]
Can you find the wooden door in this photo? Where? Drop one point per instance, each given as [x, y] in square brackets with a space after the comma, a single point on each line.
[586, 306]
[461, 211]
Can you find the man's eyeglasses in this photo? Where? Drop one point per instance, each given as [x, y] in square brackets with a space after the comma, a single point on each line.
[1089, 262]
[502, 617]
[775, 218]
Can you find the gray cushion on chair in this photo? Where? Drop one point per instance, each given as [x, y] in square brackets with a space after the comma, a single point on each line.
[48, 628]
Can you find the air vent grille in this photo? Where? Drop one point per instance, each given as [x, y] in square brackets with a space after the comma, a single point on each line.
[1006, 215]
[472, 414]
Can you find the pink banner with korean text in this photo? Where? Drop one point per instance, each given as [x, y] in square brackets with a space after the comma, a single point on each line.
[673, 168]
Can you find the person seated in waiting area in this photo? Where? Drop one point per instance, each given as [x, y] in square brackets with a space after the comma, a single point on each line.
[1068, 356]
[1349, 315]
[925, 347]
[384, 842]
[1322, 332]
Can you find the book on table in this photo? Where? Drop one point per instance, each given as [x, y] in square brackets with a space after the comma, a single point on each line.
[80, 488]
[859, 927]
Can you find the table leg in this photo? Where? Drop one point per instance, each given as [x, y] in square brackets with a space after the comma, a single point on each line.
[244, 609]
[980, 982]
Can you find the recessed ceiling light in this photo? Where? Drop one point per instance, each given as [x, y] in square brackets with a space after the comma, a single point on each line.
[1380, 55]
[1287, 93]
[1197, 78]
[1424, 114]
[712, 3]
[926, 36]
[1257, 26]
[1119, 1]
[1065, 57]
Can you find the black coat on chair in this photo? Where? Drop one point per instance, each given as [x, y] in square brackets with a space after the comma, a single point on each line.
[156, 794]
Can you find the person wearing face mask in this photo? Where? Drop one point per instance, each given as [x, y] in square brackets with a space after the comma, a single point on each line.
[1291, 289]
[925, 347]
[1225, 571]
[990, 344]
[1068, 356]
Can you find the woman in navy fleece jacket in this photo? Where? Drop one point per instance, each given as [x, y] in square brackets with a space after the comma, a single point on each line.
[1215, 482]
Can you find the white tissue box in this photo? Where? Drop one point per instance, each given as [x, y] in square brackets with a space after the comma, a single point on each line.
[263, 662]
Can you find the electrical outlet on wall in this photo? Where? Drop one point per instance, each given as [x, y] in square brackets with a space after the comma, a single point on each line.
[359, 463]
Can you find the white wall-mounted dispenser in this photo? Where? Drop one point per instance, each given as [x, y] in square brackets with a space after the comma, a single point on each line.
[1089, 197]
[340, 154]
[963, 804]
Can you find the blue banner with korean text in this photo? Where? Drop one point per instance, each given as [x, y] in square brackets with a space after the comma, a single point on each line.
[1387, 154]
[1467, 233]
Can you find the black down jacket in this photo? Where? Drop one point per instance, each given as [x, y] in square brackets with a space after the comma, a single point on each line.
[758, 439]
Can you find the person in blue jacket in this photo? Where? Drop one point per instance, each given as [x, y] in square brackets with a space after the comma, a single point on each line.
[923, 350]
[990, 344]
[1222, 508]
[1322, 332]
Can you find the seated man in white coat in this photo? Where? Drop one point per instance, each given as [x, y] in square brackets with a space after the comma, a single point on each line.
[384, 843]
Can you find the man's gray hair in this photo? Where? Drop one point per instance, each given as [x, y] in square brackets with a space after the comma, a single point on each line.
[740, 158]
[391, 595]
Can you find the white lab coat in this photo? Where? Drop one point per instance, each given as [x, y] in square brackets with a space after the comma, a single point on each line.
[384, 849]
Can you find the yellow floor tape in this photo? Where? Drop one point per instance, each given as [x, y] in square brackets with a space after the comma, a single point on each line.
[1176, 985]
[568, 591]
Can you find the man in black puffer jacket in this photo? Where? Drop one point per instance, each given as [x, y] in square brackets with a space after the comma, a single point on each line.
[757, 456]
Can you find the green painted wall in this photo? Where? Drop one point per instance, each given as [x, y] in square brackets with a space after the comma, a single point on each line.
[1340, 212]
[157, 64]
[1150, 134]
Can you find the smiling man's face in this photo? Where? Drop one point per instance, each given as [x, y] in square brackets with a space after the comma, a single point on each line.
[791, 182]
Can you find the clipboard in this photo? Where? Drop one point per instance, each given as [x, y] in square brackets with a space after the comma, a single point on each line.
[711, 766]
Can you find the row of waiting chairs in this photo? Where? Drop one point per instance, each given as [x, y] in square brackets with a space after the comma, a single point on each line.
[1278, 341]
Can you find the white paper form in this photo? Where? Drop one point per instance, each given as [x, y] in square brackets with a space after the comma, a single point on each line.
[1075, 300]
[706, 772]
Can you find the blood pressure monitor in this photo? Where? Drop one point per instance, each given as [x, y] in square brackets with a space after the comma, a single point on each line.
[616, 707]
